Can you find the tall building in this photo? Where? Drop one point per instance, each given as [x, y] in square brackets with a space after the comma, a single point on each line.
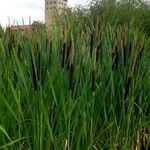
[52, 6]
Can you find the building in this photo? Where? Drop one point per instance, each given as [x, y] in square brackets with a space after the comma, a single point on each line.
[20, 27]
[52, 6]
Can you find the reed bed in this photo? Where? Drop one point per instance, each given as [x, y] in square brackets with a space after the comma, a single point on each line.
[78, 87]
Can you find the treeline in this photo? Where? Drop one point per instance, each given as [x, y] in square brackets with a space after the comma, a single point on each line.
[133, 13]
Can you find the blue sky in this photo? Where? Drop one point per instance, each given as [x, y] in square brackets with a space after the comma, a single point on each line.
[18, 9]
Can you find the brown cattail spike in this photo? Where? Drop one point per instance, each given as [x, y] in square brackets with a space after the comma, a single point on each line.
[93, 79]
[71, 77]
[94, 72]
[64, 48]
[127, 87]
[19, 52]
[71, 80]
[91, 44]
[63, 54]
[68, 54]
[115, 56]
[34, 74]
[72, 48]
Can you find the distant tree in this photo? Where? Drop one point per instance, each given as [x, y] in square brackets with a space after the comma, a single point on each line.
[1, 31]
[119, 12]
[38, 25]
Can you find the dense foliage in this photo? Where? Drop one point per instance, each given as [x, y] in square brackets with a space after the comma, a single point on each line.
[82, 85]
[135, 13]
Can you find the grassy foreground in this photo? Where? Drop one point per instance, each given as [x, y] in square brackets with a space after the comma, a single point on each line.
[79, 88]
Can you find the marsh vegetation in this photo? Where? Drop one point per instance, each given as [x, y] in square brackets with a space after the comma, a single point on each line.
[83, 85]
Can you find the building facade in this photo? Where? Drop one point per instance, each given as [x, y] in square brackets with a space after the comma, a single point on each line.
[51, 7]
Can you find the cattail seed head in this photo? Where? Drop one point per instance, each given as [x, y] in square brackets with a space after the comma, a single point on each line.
[127, 87]
[71, 77]
[93, 80]
[91, 44]
[72, 48]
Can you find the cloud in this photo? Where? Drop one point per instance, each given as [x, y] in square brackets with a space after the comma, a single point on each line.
[36, 5]
[18, 9]
[77, 2]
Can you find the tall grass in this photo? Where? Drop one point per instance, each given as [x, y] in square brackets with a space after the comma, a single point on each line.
[82, 86]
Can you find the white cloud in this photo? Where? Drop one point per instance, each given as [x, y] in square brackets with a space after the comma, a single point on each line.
[77, 2]
[18, 9]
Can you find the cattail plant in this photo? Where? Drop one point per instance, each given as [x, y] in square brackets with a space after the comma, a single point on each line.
[116, 49]
[34, 72]
[64, 47]
[82, 62]
[72, 67]
[67, 62]
[98, 51]
[10, 42]
[125, 46]
[84, 84]
[19, 53]
[136, 59]
[91, 43]
[94, 72]
[36, 67]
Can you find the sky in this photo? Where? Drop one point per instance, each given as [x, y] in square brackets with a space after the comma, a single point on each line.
[14, 10]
